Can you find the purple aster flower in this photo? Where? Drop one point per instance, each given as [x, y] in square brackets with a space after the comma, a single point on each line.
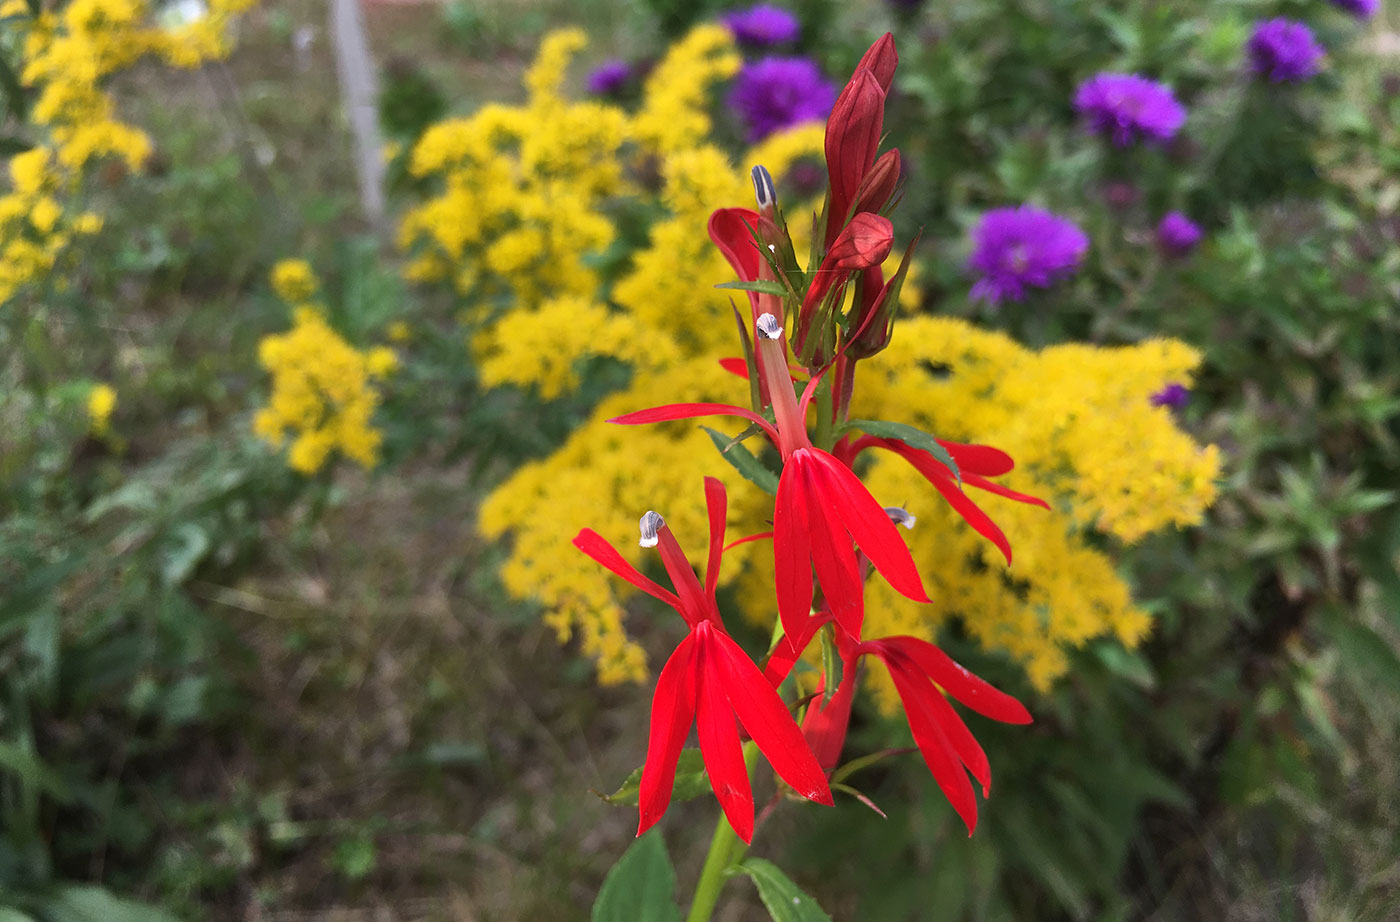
[1283, 50]
[1174, 395]
[773, 93]
[1019, 248]
[1361, 9]
[763, 26]
[1130, 108]
[1177, 234]
[607, 78]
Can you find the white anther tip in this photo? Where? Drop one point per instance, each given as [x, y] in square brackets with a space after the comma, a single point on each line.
[900, 516]
[768, 325]
[651, 523]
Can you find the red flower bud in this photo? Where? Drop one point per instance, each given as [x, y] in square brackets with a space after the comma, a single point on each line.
[882, 59]
[879, 183]
[865, 242]
[852, 138]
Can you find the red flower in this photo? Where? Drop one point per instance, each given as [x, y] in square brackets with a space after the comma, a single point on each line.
[975, 464]
[708, 682]
[821, 508]
[922, 673]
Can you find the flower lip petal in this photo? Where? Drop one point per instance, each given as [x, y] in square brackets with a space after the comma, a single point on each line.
[965, 687]
[719, 744]
[939, 756]
[871, 528]
[792, 556]
[672, 713]
[768, 721]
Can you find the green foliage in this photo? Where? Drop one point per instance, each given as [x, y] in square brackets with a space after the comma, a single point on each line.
[641, 886]
[782, 898]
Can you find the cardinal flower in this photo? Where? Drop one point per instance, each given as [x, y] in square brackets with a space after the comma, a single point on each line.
[854, 128]
[708, 682]
[821, 506]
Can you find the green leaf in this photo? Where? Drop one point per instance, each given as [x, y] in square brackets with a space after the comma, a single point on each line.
[762, 286]
[909, 435]
[96, 904]
[641, 886]
[7, 914]
[691, 782]
[782, 898]
[743, 461]
[1368, 658]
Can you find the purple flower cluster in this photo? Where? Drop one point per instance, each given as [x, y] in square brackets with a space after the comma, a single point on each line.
[1130, 108]
[609, 77]
[1174, 395]
[1019, 248]
[776, 92]
[1283, 50]
[763, 26]
[1177, 234]
[1361, 9]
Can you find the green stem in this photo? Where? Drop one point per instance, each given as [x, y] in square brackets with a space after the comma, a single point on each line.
[726, 848]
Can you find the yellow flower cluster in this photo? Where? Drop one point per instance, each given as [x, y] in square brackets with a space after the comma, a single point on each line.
[523, 209]
[1077, 419]
[323, 389]
[65, 54]
[34, 230]
[521, 190]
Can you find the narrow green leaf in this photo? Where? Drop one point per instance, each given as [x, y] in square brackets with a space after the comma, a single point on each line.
[691, 782]
[641, 886]
[762, 286]
[782, 898]
[743, 461]
[1368, 658]
[831, 664]
[909, 435]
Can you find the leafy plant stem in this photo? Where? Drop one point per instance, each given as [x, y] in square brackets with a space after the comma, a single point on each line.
[726, 849]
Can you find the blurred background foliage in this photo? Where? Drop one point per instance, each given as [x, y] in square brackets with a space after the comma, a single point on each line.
[230, 692]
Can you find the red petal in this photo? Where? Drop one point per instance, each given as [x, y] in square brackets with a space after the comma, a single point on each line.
[767, 720]
[982, 483]
[672, 712]
[969, 751]
[868, 523]
[717, 504]
[832, 555]
[597, 547]
[719, 743]
[942, 479]
[672, 411]
[966, 688]
[732, 230]
[792, 554]
[938, 755]
[735, 366]
[978, 459]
